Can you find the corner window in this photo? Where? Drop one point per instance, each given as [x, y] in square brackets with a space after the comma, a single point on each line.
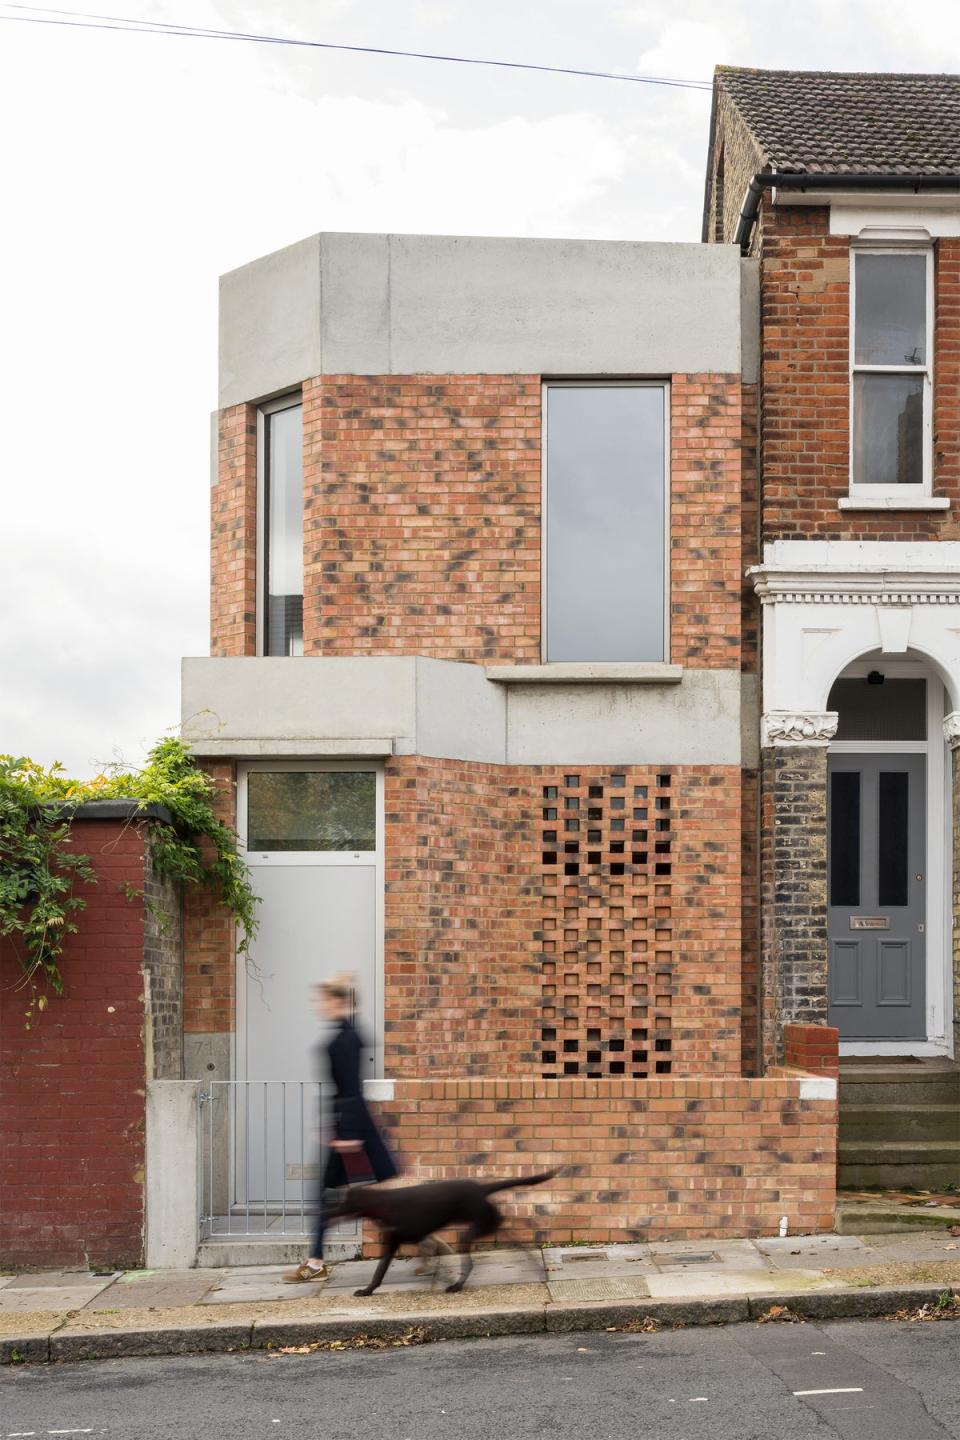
[891, 371]
[605, 518]
[280, 439]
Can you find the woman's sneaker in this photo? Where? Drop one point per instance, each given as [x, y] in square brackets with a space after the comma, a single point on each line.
[305, 1273]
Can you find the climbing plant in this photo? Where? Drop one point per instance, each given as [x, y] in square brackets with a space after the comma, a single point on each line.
[40, 869]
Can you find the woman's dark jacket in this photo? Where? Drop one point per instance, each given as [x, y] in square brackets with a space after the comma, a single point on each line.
[351, 1118]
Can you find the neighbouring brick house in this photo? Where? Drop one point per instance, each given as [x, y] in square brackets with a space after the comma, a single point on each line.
[846, 190]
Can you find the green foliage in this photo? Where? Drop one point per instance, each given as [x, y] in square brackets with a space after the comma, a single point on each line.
[39, 868]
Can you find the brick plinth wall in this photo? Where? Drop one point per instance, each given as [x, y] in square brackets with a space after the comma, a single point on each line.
[815, 1048]
[794, 890]
[667, 1159]
[72, 1087]
[508, 953]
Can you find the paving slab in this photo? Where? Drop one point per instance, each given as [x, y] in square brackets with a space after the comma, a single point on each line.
[606, 1288]
[6, 1280]
[255, 1283]
[48, 1297]
[833, 1252]
[687, 1256]
[734, 1282]
[401, 1277]
[153, 1290]
[62, 1280]
[597, 1263]
[896, 1249]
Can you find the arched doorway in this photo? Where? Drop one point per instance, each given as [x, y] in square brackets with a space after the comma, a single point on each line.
[888, 858]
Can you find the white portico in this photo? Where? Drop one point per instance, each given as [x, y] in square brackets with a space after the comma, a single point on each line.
[861, 661]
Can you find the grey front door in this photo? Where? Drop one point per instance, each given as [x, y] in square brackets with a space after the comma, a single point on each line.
[876, 873]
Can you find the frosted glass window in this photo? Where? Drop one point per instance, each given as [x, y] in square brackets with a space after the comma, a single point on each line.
[605, 522]
[283, 531]
[311, 810]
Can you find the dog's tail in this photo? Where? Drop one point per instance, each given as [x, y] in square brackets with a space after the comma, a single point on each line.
[520, 1182]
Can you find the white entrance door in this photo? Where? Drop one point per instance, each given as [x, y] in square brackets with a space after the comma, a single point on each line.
[312, 834]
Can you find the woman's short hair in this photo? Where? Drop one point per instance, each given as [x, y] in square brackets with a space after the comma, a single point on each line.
[337, 987]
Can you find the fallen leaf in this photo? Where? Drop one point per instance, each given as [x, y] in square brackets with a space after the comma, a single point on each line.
[779, 1314]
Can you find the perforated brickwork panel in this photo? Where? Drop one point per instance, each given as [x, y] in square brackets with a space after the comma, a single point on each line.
[607, 959]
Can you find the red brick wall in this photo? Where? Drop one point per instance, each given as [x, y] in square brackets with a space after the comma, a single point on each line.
[233, 535]
[209, 970]
[72, 1091]
[495, 958]
[705, 524]
[421, 516]
[663, 1159]
[422, 499]
[805, 306]
[812, 1047]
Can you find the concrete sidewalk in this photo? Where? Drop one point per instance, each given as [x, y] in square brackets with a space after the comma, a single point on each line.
[71, 1315]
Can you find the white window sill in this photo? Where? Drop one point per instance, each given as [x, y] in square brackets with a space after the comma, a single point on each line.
[893, 502]
[599, 673]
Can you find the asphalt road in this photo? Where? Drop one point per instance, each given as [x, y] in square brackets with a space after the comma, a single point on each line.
[860, 1380]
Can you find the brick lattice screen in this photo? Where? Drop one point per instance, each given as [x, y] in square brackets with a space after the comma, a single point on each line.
[606, 940]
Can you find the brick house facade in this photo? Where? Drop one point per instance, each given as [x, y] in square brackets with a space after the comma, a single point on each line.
[565, 964]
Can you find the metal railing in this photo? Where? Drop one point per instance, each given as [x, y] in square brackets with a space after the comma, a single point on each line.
[260, 1143]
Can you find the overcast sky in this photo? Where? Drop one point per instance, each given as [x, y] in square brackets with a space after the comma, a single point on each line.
[140, 167]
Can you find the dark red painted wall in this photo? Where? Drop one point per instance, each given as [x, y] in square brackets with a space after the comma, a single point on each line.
[72, 1087]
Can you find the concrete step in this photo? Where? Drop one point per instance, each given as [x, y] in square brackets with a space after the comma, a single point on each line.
[227, 1252]
[920, 1164]
[880, 1219]
[899, 1123]
[924, 1083]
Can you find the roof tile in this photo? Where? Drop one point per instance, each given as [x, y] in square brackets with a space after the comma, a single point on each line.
[832, 123]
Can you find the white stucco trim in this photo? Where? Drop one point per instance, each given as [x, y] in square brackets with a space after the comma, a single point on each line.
[826, 606]
[826, 602]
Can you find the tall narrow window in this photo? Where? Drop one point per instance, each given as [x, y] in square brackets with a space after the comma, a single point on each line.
[891, 355]
[606, 516]
[281, 463]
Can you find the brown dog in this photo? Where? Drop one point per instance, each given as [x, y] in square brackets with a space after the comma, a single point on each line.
[410, 1214]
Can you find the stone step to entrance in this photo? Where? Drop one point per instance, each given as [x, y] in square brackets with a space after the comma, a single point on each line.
[899, 1123]
[923, 1165]
[931, 1082]
[225, 1253]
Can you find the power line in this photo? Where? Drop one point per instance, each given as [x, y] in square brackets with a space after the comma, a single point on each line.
[83, 20]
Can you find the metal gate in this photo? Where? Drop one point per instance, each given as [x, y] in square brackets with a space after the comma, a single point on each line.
[260, 1147]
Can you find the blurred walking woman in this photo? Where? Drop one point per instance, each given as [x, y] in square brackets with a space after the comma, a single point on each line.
[357, 1150]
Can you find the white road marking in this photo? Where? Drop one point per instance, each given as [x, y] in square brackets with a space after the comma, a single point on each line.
[818, 1352]
[697, 1400]
[88, 1430]
[842, 1390]
[12, 1433]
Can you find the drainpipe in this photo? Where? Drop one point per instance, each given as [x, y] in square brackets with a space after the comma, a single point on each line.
[803, 180]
